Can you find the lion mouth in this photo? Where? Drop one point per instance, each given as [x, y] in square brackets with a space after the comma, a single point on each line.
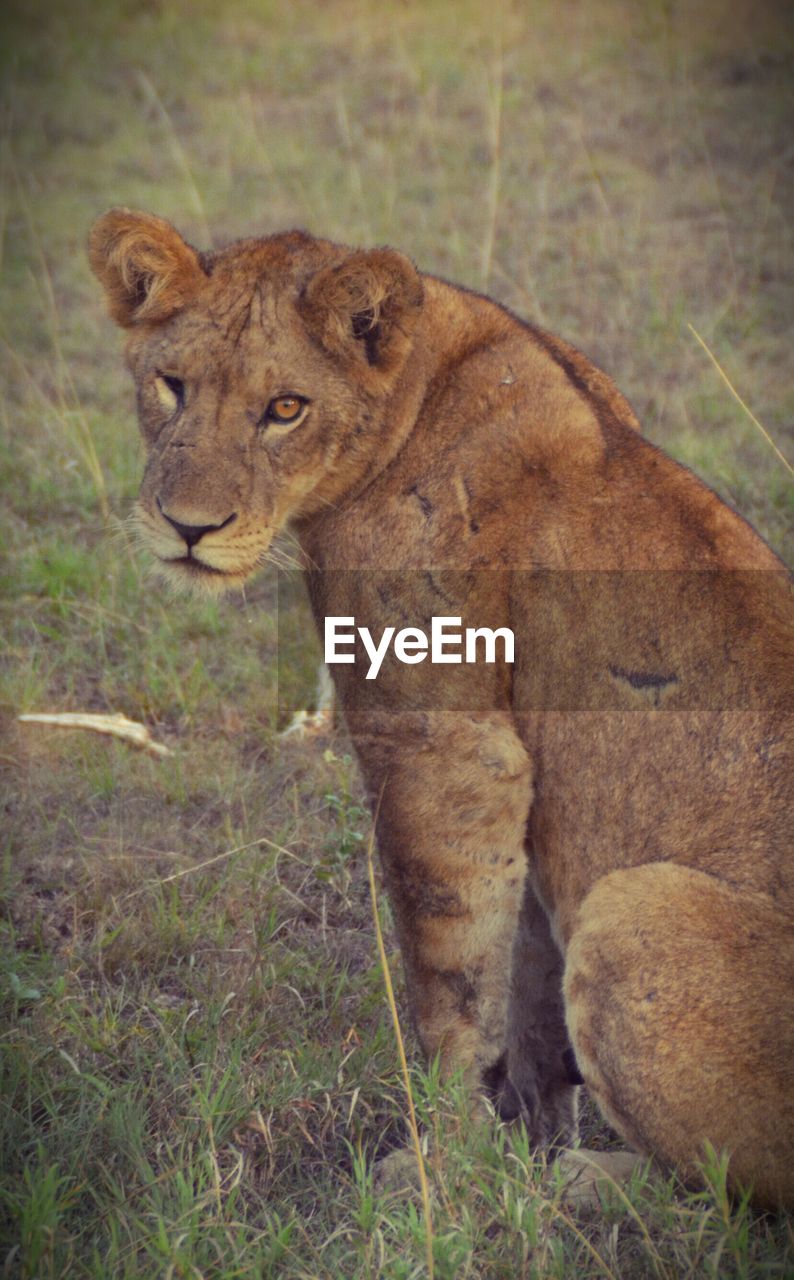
[186, 573]
[191, 565]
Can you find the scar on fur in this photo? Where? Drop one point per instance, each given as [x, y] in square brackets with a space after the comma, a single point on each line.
[424, 502]
[643, 679]
[462, 494]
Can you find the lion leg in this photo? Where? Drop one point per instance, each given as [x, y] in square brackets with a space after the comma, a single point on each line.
[541, 1070]
[452, 795]
[680, 1007]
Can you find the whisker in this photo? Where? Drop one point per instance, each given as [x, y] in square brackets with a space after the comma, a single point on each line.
[274, 555]
[304, 560]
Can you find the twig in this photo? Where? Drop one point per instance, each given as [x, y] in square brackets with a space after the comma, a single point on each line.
[595, 176]
[117, 726]
[387, 982]
[321, 720]
[71, 414]
[209, 862]
[177, 150]
[736, 396]
[494, 177]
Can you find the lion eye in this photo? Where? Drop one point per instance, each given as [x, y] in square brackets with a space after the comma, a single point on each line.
[170, 392]
[285, 409]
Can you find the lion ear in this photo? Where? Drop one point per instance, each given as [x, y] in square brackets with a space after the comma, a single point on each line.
[365, 308]
[147, 270]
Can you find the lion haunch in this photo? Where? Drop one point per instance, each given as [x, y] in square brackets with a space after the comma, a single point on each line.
[590, 858]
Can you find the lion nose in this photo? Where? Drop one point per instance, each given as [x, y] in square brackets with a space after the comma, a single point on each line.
[193, 533]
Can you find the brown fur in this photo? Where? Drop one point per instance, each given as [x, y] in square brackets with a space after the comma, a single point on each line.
[588, 853]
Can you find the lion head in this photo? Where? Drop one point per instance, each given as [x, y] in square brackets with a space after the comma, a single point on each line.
[263, 375]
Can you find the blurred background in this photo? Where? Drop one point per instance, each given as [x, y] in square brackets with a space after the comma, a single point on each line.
[615, 170]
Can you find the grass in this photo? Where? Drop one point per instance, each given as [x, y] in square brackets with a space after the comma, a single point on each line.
[199, 1068]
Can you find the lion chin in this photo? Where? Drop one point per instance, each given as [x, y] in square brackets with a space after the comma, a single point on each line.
[188, 576]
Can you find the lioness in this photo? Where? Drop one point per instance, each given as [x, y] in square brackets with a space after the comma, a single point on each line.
[589, 851]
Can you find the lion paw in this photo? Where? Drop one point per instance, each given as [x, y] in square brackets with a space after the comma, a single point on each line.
[398, 1172]
[590, 1176]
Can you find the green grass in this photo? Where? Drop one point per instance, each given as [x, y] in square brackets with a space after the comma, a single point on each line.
[198, 1066]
